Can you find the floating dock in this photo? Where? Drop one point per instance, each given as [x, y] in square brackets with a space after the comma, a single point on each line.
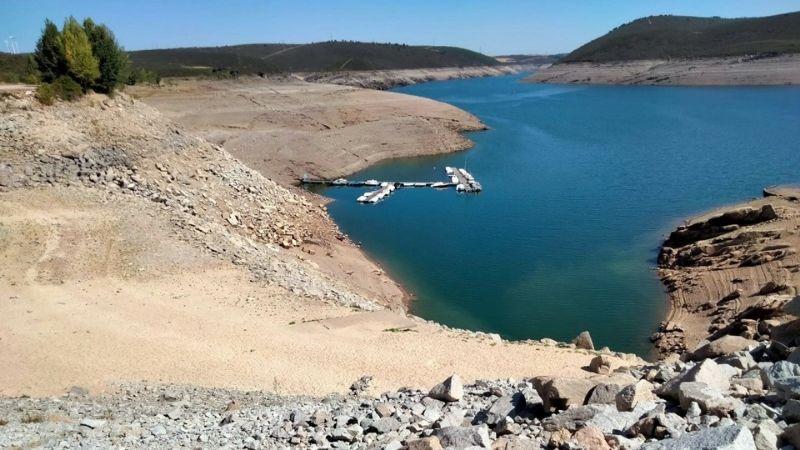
[460, 179]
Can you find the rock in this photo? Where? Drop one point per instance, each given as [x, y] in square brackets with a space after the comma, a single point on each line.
[794, 356]
[561, 393]
[384, 409]
[505, 406]
[385, 425]
[463, 437]
[723, 346]
[591, 437]
[559, 438]
[600, 364]
[765, 439]
[791, 410]
[92, 423]
[734, 437]
[741, 360]
[453, 418]
[175, 413]
[428, 443]
[752, 384]
[707, 371]
[793, 306]
[787, 388]
[604, 394]
[584, 341]
[397, 445]
[707, 397]
[506, 425]
[633, 394]
[781, 369]
[571, 419]
[158, 430]
[450, 390]
[515, 443]
[791, 435]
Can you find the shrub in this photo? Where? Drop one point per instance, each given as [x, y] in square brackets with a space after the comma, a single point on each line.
[112, 60]
[67, 89]
[49, 54]
[82, 65]
[45, 94]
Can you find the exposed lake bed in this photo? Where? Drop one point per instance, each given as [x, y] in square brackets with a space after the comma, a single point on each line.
[581, 183]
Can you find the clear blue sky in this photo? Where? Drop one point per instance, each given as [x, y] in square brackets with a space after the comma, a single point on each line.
[491, 26]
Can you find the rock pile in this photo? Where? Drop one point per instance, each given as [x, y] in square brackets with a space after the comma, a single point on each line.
[734, 398]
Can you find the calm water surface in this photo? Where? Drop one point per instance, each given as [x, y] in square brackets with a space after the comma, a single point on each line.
[580, 184]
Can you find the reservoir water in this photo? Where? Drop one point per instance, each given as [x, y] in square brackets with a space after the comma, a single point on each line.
[580, 185]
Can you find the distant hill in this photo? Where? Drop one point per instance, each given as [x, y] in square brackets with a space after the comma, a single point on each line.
[665, 37]
[12, 67]
[316, 57]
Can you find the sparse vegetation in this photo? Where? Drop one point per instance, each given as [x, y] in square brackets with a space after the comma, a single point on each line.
[261, 59]
[665, 37]
[32, 418]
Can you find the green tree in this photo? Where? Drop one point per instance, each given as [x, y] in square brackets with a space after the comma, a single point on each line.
[81, 62]
[49, 54]
[112, 60]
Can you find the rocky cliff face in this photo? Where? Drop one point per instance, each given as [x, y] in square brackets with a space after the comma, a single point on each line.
[729, 272]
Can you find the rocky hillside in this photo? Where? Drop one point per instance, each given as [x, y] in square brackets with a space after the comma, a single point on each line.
[126, 148]
[387, 79]
[732, 393]
[730, 272]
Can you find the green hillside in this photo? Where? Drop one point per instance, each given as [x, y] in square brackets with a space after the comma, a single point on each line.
[664, 37]
[321, 56]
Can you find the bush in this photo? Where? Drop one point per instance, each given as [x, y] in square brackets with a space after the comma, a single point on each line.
[46, 94]
[82, 64]
[113, 61]
[67, 89]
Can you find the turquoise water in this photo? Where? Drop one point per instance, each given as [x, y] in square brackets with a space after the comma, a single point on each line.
[580, 185]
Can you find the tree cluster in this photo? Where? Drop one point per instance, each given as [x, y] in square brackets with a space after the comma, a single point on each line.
[77, 58]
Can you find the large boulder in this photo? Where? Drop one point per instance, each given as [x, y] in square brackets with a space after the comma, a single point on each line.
[463, 437]
[449, 390]
[779, 370]
[506, 406]
[604, 394]
[787, 388]
[793, 306]
[710, 399]
[732, 437]
[723, 346]
[600, 364]
[591, 437]
[561, 393]
[428, 443]
[584, 341]
[707, 371]
[633, 394]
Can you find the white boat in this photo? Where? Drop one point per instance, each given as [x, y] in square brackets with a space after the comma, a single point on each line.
[438, 184]
[448, 170]
[339, 181]
[372, 182]
[460, 187]
[362, 199]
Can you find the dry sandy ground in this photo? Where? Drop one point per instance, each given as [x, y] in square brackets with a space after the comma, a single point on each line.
[779, 70]
[288, 128]
[730, 281]
[97, 291]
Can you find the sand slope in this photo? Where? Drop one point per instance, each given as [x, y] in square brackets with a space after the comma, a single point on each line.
[287, 128]
[134, 250]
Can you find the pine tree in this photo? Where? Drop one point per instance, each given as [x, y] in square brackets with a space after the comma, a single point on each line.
[49, 54]
[111, 57]
[81, 63]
